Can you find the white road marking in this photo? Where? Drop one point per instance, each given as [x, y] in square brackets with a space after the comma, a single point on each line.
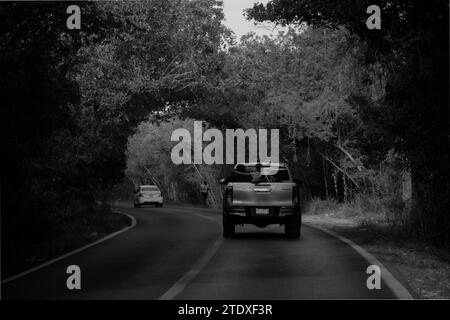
[393, 284]
[17, 276]
[196, 268]
[396, 287]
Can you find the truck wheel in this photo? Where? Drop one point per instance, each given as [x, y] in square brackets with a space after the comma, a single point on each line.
[292, 231]
[228, 228]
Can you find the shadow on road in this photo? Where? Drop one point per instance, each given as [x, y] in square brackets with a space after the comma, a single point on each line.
[248, 235]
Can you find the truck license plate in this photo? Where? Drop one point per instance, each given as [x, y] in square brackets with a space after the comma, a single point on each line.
[262, 211]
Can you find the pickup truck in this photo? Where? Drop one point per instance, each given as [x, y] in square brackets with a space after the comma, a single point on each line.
[261, 194]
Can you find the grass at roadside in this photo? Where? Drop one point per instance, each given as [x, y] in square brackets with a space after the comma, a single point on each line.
[74, 234]
[425, 270]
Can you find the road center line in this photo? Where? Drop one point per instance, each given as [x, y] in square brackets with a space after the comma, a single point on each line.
[196, 268]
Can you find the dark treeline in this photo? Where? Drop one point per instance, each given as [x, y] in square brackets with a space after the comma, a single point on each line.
[71, 98]
[412, 46]
[80, 108]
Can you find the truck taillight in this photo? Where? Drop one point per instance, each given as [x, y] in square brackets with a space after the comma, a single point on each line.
[295, 196]
[229, 196]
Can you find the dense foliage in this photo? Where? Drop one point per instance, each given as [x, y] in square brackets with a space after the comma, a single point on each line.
[71, 98]
[82, 109]
[412, 48]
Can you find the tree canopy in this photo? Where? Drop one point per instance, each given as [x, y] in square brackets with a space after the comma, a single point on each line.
[82, 109]
[412, 48]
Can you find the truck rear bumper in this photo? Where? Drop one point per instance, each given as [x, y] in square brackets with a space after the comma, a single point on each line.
[246, 215]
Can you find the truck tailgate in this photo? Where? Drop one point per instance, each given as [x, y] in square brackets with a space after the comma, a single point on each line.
[263, 194]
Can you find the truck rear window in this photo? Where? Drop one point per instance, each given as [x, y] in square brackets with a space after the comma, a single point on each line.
[149, 188]
[268, 174]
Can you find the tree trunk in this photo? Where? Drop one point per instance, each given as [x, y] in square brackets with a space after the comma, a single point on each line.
[335, 178]
[324, 166]
[429, 216]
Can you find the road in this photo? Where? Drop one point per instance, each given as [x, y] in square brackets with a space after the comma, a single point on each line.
[179, 253]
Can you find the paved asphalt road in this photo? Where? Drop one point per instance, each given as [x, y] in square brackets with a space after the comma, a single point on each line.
[178, 252]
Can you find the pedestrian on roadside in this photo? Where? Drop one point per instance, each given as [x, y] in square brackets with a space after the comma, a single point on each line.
[204, 192]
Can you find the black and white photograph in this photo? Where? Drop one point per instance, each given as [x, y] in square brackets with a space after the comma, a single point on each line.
[228, 155]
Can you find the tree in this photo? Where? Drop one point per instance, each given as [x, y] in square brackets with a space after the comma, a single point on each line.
[165, 53]
[71, 98]
[302, 83]
[412, 48]
[149, 161]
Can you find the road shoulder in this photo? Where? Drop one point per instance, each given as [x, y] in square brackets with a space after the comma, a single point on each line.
[423, 273]
[84, 242]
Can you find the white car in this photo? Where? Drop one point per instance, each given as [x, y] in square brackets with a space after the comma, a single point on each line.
[148, 194]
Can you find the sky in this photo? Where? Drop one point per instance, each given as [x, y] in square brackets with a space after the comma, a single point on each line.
[235, 20]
